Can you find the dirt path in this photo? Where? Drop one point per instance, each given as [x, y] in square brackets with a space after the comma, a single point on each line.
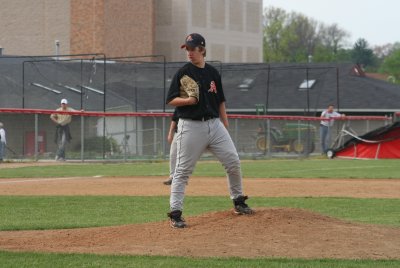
[150, 186]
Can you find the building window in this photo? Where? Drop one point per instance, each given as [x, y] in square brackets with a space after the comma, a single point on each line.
[253, 17]
[253, 54]
[236, 54]
[199, 13]
[164, 12]
[218, 52]
[236, 15]
[218, 14]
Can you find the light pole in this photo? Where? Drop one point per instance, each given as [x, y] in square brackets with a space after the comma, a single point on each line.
[57, 43]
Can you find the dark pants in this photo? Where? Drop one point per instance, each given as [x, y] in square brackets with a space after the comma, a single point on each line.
[63, 136]
[325, 135]
[2, 150]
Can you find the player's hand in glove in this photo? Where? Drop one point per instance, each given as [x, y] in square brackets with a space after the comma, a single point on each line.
[189, 88]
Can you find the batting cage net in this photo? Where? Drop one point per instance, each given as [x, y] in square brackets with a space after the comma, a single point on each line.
[134, 136]
[81, 80]
[274, 108]
[140, 84]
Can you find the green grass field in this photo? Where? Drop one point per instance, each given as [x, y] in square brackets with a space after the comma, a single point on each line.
[319, 168]
[57, 212]
[19, 260]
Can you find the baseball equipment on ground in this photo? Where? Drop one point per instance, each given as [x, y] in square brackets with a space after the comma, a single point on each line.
[189, 88]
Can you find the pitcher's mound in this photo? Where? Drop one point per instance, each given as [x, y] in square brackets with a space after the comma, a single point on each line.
[272, 232]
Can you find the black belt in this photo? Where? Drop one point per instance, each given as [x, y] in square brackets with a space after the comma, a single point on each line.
[204, 118]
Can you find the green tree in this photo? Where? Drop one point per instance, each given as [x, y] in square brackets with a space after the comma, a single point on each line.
[343, 55]
[332, 37]
[391, 66]
[288, 37]
[274, 27]
[293, 37]
[383, 51]
[362, 54]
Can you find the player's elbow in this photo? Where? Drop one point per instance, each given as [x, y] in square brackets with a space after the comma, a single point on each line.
[174, 102]
[171, 102]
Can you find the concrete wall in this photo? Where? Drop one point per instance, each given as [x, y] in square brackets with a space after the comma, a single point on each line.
[31, 27]
[232, 28]
[171, 29]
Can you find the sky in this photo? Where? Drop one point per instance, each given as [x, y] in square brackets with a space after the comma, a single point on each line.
[375, 21]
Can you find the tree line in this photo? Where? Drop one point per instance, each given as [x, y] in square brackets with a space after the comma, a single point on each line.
[296, 38]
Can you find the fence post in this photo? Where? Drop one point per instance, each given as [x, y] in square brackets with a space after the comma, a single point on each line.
[236, 132]
[36, 136]
[164, 134]
[155, 136]
[82, 137]
[125, 139]
[268, 143]
[298, 135]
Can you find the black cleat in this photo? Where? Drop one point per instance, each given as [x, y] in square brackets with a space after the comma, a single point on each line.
[176, 220]
[168, 182]
[240, 207]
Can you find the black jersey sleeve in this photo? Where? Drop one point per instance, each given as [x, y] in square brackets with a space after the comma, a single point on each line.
[173, 91]
[175, 116]
[220, 91]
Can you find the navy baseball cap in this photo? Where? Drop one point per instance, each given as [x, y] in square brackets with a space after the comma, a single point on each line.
[194, 40]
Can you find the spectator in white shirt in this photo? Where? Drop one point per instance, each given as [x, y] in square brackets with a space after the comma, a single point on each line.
[2, 142]
[325, 126]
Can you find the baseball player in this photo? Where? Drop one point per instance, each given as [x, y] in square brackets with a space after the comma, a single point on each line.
[171, 138]
[196, 92]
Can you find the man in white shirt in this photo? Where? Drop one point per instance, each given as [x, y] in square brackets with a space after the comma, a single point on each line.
[325, 126]
[2, 142]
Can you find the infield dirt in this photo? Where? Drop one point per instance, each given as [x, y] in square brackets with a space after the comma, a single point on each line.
[272, 232]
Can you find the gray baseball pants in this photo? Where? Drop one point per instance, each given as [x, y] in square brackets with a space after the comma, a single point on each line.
[193, 138]
[172, 156]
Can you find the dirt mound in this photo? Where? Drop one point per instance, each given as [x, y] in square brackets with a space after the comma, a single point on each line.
[277, 232]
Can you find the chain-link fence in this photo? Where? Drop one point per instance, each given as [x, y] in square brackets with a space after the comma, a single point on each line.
[132, 136]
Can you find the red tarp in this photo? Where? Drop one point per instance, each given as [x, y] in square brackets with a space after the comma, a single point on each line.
[381, 143]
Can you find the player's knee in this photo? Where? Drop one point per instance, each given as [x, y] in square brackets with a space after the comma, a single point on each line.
[233, 167]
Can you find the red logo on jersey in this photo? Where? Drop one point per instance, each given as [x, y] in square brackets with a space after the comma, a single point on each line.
[213, 87]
